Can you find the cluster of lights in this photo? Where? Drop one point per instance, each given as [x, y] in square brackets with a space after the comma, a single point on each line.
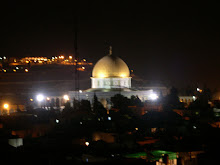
[3, 58]
[199, 90]
[41, 97]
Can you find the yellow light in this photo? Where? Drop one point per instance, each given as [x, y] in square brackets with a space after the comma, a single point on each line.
[6, 106]
[70, 57]
[62, 57]
[5, 70]
[31, 100]
[14, 70]
[101, 75]
[84, 59]
[83, 67]
[122, 75]
[48, 98]
[26, 70]
[14, 60]
[27, 61]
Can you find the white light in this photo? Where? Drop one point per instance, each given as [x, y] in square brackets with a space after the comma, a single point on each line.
[66, 97]
[153, 96]
[109, 118]
[194, 98]
[80, 91]
[194, 127]
[197, 89]
[80, 122]
[57, 121]
[16, 67]
[40, 97]
[4, 57]
[87, 143]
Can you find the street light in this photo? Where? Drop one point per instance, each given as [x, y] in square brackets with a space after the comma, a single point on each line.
[6, 106]
[66, 97]
[153, 96]
[40, 97]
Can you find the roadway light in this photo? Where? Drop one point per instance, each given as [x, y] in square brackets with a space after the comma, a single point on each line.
[40, 97]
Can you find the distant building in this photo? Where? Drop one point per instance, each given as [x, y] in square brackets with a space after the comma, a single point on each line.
[111, 76]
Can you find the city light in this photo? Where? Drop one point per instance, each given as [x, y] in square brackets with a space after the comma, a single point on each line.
[87, 143]
[40, 97]
[70, 57]
[80, 91]
[6, 106]
[66, 97]
[31, 100]
[153, 96]
[26, 70]
[83, 67]
[48, 98]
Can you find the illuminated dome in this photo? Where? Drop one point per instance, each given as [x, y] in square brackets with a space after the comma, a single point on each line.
[110, 66]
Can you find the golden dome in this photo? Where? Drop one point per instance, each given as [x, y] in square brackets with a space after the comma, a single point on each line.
[110, 66]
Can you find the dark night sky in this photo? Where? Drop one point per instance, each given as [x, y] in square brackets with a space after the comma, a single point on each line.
[176, 41]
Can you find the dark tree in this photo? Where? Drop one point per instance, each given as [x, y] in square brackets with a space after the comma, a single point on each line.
[98, 108]
[85, 105]
[171, 100]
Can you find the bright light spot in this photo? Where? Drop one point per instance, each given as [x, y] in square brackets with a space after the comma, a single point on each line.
[31, 100]
[57, 121]
[80, 91]
[40, 97]
[194, 127]
[70, 57]
[66, 97]
[136, 129]
[122, 75]
[5, 70]
[194, 98]
[101, 75]
[6, 106]
[83, 67]
[27, 61]
[4, 57]
[0, 58]
[87, 143]
[109, 118]
[84, 59]
[197, 89]
[16, 67]
[80, 122]
[48, 98]
[52, 58]
[153, 96]
[14, 70]
[26, 70]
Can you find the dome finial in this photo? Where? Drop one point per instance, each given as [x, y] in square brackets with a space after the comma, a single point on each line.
[110, 50]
